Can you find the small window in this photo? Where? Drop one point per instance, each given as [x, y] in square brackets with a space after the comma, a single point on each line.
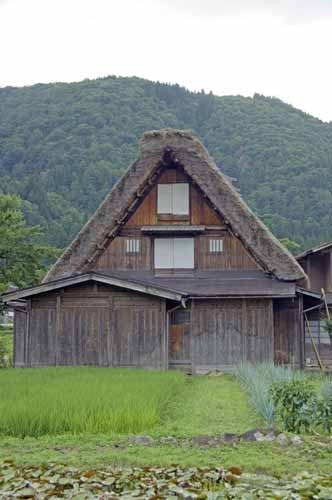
[173, 199]
[174, 253]
[216, 246]
[132, 246]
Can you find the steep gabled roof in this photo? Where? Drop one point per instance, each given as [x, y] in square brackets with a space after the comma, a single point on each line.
[157, 150]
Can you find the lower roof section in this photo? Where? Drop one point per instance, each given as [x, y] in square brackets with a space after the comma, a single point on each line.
[212, 283]
[208, 284]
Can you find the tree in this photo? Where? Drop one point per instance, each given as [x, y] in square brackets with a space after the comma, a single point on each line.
[22, 258]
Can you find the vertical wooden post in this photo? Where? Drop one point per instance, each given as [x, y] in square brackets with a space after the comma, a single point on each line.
[301, 333]
[27, 356]
[58, 329]
[192, 337]
[244, 331]
[165, 315]
[109, 340]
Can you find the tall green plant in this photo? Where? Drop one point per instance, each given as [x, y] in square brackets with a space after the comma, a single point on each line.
[257, 381]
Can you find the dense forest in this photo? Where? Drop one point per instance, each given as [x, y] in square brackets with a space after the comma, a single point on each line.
[62, 147]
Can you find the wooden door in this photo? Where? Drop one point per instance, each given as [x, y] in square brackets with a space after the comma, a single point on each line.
[179, 339]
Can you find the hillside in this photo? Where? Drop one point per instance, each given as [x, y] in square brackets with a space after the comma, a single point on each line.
[62, 147]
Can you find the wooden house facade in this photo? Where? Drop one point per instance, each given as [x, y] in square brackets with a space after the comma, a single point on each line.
[317, 264]
[172, 271]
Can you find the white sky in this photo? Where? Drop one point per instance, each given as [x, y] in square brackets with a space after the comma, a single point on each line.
[280, 48]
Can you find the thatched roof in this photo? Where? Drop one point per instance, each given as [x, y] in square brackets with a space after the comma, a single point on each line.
[176, 147]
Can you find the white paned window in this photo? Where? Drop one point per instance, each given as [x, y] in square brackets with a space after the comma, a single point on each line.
[180, 199]
[132, 246]
[173, 199]
[164, 198]
[174, 253]
[216, 246]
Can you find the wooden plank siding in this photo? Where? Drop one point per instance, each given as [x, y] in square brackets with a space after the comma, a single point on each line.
[92, 325]
[233, 257]
[225, 332]
[288, 331]
[115, 255]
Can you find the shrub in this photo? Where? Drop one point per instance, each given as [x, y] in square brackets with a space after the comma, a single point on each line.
[294, 401]
[257, 381]
[323, 407]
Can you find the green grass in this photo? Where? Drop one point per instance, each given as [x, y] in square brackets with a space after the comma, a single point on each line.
[6, 336]
[51, 401]
[158, 404]
[210, 406]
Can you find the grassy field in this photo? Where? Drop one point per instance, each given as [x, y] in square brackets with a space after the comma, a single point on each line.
[86, 416]
[55, 401]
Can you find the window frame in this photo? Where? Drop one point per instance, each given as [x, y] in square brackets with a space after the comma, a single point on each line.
[133, 246]
[171, 211]
[174, 246]
[216, 246]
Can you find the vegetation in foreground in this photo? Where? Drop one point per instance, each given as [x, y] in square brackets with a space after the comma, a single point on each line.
[195, 407]
[171, 483]
[55, 401]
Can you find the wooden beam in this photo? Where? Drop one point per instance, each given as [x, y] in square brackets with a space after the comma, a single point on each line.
[58, 329]
[320, 364]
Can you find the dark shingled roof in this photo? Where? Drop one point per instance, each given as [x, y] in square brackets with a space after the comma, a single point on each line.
[211, 283]
[159, 148]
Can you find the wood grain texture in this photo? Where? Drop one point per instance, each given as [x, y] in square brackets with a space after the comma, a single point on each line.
[226, 332]
[233, 257]
[93, 325]
[287, 330]
[115, 255]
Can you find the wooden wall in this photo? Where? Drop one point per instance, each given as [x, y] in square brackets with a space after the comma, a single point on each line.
[233, 257]
[92, 325]
[319, 270]
[226, 332]
[288, 331]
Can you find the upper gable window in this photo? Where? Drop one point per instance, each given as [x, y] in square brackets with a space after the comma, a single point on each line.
[173, 199]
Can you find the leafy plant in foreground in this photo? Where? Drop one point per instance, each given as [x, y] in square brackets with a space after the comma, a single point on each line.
[294, 401]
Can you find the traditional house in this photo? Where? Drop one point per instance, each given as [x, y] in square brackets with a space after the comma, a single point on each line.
[317, 263]
[172, 271]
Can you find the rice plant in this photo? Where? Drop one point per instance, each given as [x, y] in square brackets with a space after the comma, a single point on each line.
[53, 401]
[256, 380]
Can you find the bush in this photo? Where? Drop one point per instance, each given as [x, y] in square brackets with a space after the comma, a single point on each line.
[294, 402]
[323, 407]
[257, 381]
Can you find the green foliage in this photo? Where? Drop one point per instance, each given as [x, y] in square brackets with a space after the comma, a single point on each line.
[328, 326]
[50, 480]
[293, 401]
[6, 346]
[83, 400]
[62, 147]
[22, 257]
[257, 381]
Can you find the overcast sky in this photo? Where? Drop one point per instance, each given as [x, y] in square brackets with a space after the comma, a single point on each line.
[279, 48]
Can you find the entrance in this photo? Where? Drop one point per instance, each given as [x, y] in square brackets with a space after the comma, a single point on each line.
[179, 352]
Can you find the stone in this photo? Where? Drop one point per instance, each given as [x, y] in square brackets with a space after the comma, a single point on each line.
[296, 440]
[270, 436]
[282, 439]
[169, 440]
[203, 441]
[143, 440]
[251, 435]
[259, 436]
[228, 437]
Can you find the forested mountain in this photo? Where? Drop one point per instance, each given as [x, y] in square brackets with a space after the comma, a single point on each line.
[62, 147]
